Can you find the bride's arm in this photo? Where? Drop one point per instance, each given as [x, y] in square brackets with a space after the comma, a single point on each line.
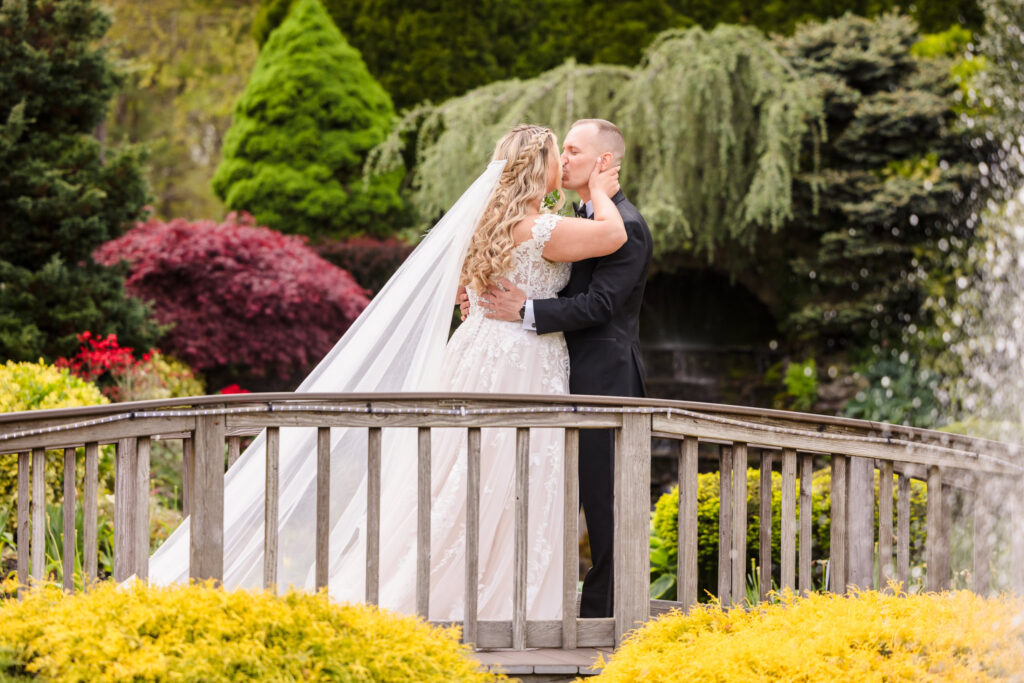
[579, 238]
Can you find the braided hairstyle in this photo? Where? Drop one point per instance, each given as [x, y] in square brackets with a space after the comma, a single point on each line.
[523, 180]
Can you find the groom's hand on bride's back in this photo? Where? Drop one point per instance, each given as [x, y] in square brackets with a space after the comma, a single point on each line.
[504, 302]
[462, 301]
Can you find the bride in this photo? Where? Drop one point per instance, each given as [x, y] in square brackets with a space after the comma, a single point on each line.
[496, 230]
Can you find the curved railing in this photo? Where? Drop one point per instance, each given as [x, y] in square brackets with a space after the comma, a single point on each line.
[977, 472]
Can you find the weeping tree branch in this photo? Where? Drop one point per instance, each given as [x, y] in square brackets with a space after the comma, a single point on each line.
[714, 124]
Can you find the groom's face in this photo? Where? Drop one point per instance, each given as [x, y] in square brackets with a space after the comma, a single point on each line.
[579, 154]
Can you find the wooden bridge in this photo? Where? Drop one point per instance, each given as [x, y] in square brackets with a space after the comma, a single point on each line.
[977, 472]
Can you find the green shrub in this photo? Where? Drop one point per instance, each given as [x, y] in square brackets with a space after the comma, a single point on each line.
[870, 636]
[202, 633]
[801, 382]
[664, 529]
[293, 157]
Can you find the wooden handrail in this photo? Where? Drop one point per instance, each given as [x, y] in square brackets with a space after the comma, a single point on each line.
[209, 428]
[826, 424]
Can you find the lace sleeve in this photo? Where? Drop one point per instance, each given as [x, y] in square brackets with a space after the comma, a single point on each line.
[543, 228]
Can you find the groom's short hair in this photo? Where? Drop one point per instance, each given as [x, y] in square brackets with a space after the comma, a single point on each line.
[609, 135]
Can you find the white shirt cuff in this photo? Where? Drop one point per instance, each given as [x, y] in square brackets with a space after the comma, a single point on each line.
[528, 321]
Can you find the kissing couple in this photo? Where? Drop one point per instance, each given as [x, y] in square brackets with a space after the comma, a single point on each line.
[550, 305]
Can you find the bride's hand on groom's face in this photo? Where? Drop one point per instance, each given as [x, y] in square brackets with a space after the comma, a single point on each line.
[504, 303]
[606, 181]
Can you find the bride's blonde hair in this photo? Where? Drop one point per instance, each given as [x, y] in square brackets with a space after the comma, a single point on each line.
[526, 150]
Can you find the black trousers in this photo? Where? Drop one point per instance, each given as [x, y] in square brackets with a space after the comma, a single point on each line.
[597, 487]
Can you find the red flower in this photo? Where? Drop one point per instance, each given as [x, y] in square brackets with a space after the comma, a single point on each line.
[233, 389]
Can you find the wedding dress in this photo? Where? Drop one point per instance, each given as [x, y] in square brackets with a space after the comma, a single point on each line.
[399, 343]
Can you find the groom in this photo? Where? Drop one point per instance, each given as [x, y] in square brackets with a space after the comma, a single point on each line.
[598, 311]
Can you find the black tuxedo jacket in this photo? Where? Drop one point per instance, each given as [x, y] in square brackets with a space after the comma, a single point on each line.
[599, 310]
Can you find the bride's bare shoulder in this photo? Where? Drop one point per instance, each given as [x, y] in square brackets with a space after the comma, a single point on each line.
[523, 230]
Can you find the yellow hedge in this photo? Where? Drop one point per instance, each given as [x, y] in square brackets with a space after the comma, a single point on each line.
[201, 633]
[868, 637]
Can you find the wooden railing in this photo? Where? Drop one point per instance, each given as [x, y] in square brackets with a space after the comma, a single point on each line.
[212, 426]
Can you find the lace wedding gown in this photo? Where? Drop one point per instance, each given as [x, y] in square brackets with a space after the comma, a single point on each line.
[493, 356]
[398, 345]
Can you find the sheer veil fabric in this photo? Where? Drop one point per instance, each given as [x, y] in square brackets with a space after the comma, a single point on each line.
[396, 344]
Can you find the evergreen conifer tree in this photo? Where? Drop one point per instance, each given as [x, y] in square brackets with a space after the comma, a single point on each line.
[59, 198]
[294, 154]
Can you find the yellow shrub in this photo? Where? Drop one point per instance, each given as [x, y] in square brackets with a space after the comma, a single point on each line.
[868, 637]
[201, 633]
[37, 386]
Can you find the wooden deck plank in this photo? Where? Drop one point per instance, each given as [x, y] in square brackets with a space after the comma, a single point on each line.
[554, 661]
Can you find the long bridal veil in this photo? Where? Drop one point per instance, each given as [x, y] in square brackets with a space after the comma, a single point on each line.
[396, 344]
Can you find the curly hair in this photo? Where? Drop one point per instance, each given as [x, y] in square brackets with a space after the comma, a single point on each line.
[523, 181]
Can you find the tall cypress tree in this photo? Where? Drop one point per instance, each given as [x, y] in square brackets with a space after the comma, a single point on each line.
[59, 198]
[294, 154]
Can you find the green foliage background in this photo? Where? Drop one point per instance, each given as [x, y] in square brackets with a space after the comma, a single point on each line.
[448, 48]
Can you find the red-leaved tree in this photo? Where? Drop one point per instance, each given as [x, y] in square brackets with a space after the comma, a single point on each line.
[237, 296]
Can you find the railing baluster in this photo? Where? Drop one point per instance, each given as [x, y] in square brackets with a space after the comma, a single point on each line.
[570, 538]
[765, 524]
[935, 544]
[806, 518]
[142, 452]
[270, 513]
[124, 509]
[885, 563]
[983, 526]
[38, 513]
[188, 466]
[206, 531]
[632, 568]
[373, 464]
[787, 544]
[948, 495]
[323, 505]
[24, 520]
[739, 522]
[68, 550]
[903, 530]
[423, 496]
[234, 449]
[1013, 487]
[838, 542]
[521, 547]
[686, 570]
[469, 621]
[90, 512]
[860, 510]
[725, 469]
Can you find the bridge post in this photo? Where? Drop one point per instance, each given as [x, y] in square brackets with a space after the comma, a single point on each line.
[632, 566]
[860, 507]
[206, 552]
